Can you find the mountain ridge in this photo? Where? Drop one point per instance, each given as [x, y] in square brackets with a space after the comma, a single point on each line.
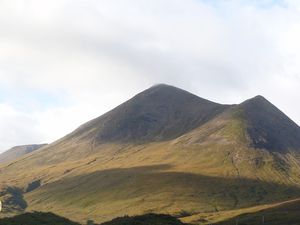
[269, 127]
[18, 151]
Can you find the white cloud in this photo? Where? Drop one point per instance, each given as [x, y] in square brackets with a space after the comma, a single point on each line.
[18, 128]
[99, 53]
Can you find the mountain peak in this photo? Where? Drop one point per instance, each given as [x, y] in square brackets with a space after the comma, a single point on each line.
[258, 99]
[268, 127]
[161, 85]
[159, 113]
[162, 90]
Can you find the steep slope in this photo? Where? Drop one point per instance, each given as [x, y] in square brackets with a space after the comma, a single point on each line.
[18, 151]
[270, 128]
[164, 151]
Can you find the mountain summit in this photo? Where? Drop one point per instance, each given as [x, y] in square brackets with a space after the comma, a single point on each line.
[268, 127]
[159, 113]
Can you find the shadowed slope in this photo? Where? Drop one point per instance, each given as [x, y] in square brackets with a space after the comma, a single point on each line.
[268, 127]
[147, 219]
[37, 218]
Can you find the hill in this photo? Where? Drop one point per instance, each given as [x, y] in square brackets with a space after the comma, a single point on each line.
[18, 151]
[147, 219]
[163, 151]
[37, 218]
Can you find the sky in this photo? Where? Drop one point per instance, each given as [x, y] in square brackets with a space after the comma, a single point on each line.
[64, 62]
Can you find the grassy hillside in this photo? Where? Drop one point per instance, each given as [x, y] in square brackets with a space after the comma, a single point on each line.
[285, 213]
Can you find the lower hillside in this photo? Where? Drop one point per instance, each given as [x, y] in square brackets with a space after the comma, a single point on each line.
[286, 213]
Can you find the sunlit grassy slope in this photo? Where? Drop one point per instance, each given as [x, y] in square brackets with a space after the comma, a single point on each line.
[204, 170]
[281, 213]
[277, 214]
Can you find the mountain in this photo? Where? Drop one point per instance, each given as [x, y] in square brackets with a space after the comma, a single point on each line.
[163, 151]
[157, 114]
[18, 151]
[268, 127]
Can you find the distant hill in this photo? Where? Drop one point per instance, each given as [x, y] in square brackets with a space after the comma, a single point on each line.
[163, 151]
[18, 151]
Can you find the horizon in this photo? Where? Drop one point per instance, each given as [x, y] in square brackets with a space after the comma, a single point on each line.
[64, 63]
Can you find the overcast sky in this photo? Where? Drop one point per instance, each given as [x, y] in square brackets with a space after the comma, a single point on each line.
[64, 62]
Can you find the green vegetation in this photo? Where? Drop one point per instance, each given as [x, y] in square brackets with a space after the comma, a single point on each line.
[283, 214]
[13, 200]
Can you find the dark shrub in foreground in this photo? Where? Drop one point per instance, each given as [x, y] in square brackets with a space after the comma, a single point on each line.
[147, 219]
[37, 218]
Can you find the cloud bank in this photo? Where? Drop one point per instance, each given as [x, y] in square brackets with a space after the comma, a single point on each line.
[65, 62]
